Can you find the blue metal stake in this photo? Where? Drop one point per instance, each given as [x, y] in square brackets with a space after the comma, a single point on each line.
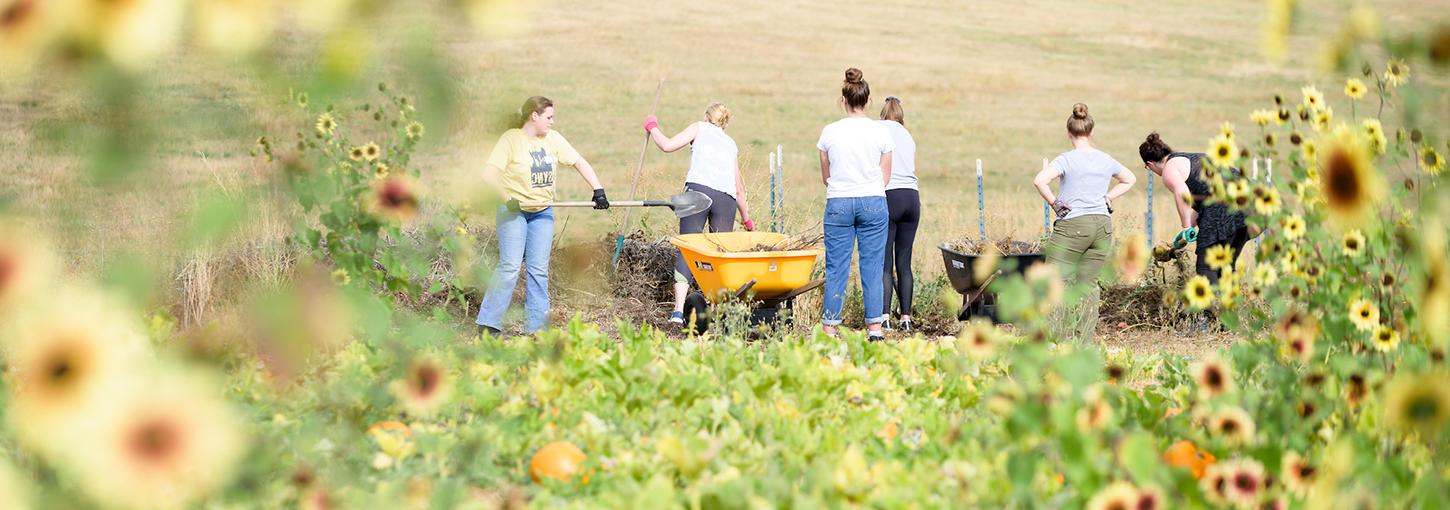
[981, 206]
[774, 220]
[1149, 222]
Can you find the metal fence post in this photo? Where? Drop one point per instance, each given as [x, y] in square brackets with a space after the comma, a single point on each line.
[1149, 221]
[981, 206]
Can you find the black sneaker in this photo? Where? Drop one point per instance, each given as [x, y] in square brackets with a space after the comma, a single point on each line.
[886, 324]
[485, 329]
[875, 337]
[905, 325]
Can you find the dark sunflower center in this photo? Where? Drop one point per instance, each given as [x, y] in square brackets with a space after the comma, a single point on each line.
[1423, 408]
[16, 13]
[1306, 471]
[1342, 184]
[155, 441]
[1146, 502]
[1200, 291]
[1116, 505]
[1213, 377]
[1306, 409]
[1223, 151]
[425, 379]
[1245, 483]
[1229, 427]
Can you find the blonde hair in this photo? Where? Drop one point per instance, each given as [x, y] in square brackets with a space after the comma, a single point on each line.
[1080, 124]
[891, 110]
[718, 114]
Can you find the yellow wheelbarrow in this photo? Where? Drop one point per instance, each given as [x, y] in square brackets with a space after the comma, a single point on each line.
[727, 266]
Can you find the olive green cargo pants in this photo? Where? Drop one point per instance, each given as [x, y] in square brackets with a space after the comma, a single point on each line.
[1079, 247]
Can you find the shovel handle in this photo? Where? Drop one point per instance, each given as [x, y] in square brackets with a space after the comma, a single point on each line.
[612, 203]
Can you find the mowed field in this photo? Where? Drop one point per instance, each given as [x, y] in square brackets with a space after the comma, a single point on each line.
[979, 80]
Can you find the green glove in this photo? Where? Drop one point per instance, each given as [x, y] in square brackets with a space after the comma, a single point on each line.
[1187, 235]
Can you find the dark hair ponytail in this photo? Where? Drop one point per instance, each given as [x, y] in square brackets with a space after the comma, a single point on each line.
[855, 90]
[1154, 149]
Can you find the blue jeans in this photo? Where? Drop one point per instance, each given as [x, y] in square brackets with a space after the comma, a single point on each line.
[525, 239]
[860, 221]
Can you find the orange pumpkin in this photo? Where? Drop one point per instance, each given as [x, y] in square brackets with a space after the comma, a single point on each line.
[1184, 454]
[558, 460]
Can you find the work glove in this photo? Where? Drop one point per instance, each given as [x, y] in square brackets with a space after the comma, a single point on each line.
[749, 225]
[650, 123]
[600, 201]
[513, 205]
[1184, 237]
[1061, 209]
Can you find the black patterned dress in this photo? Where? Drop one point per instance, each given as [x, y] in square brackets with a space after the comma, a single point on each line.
[1217, 223]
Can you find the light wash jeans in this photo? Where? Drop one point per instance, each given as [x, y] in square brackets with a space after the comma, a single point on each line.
[525, 239]
[861, 222]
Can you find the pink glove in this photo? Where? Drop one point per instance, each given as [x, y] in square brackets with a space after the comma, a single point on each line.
[650, 123]
[749, 225]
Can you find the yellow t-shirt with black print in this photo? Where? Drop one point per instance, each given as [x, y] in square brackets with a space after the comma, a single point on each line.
[526, 164]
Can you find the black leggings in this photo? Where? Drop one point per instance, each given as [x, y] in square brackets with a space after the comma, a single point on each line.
[1236, 243]
[721, 217]
[904, 208]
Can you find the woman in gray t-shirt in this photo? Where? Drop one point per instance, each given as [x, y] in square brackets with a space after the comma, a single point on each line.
[1082, 236]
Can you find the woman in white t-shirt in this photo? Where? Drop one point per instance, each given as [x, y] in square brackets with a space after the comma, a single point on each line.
[714, 172]
[855, 167]
[903, 206]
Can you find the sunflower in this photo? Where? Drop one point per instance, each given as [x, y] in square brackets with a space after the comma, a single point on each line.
[1226, 130]
[1299, 331]
[414, 130]
[326, 125]
[1220, 256]
[424, 388]
[66, 355]
[1374, 132]
[1236, 189]
[1430, 161]
[1354, 88]
[1313, 99]
[395, 199]
[1434, 308]
[979, 338]
[356, 154]
[381, 171]
[1198, 292]
[1289, 263]
[1262, 117]
[1149, 498]
[1214, 484]
[164, 442]
[1386, 339]
[371, 151]
[1246, 483]
[341, 277]
[1419, 403]
[1265, 275]
[1293, 227]
[1323, 118]
[26, 266]
[1270, 139]
[1116, 496]
[1353, 243]
[1396, 72]
[1350, 184]
[1095, 414]
[1222, 151]
[1387, 280]
[1213, 376]
[1131, 257]
[1364, 314]
[1310, 150]
[1233, 425]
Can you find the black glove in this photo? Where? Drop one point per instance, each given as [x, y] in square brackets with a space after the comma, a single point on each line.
[600, 201]
[1061, 209]
[512, 205]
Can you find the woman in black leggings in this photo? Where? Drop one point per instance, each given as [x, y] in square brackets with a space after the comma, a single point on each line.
[903, 204]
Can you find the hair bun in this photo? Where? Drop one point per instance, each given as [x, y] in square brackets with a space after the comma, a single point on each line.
[853, 75]
[1154, 138]
[1079, 111]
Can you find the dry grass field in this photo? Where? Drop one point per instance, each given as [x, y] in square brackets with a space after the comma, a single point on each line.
[979, 80]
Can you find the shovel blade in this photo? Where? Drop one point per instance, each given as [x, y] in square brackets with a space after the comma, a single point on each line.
[690, 203]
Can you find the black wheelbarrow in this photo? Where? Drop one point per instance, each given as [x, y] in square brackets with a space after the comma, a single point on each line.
[978, 300]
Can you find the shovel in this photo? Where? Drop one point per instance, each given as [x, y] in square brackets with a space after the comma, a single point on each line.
[684, 204]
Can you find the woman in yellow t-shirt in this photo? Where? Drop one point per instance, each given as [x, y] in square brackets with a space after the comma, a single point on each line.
[522, 165]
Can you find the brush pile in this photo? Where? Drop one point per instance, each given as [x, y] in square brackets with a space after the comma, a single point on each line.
[1003, 246]
[646, 269]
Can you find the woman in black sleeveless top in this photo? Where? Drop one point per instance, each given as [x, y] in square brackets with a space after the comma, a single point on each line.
[1182, 174]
